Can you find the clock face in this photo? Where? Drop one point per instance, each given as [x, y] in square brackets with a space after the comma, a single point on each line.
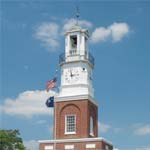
[71, 75]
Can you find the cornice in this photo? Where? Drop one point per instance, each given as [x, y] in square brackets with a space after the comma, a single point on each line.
[76, 140]
[77, 98]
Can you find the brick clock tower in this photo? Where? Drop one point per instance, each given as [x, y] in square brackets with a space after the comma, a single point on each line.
[76, 111]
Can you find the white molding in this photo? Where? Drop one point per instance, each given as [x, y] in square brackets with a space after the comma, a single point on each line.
[75, 98]
[48, 147]
[76, 140]
[90, 145]
[69, 133]
[69, 147]
[74, 85]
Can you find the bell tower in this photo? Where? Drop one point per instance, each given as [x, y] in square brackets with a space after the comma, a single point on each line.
[76, 64]
[75, 104]
[75, 109]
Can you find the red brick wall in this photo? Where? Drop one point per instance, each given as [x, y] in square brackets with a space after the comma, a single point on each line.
[83, 109]
[100, 145]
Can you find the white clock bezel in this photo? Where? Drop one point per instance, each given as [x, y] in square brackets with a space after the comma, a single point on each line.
[71, 75]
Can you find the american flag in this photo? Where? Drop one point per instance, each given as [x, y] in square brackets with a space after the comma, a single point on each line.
[51, 84]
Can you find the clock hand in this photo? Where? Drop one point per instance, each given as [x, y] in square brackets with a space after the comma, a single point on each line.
[71, 74]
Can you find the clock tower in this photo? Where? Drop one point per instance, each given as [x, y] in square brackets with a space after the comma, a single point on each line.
[75, 104]
[76, 110]
[76, 64]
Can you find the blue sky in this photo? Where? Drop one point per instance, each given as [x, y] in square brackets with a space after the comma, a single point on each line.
[32, 40]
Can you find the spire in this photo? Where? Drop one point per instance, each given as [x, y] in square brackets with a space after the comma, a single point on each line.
[77, 14]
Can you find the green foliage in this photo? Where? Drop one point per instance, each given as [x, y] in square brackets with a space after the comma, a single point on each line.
[10, 140]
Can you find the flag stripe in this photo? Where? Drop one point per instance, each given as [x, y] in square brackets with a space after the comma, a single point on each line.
[51, 84]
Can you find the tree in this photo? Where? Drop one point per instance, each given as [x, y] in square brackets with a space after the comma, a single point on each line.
[10, 140]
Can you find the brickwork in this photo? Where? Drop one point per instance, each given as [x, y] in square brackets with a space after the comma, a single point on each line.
[78, 109]
[99, 145]
[83, 109]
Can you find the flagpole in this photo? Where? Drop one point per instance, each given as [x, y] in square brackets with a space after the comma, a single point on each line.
[54, 125]
[50, 85]
[55, 108]
[55, 117]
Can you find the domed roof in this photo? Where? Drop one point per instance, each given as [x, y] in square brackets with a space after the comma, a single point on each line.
[75, 27]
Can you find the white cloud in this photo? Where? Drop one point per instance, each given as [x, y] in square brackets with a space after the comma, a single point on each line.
[103, 127]
[116, 32]
[100, 34]
[119, 30]
[31, 145]
[28, 104]
[143, 130]
[48, 34]
[68, 23]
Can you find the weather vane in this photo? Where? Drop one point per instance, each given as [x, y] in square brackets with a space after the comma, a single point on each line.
[77, 14]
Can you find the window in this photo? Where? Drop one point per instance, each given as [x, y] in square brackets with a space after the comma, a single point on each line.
[49, 147]
[70, 124]
[91, 127]
[73, 40]
[90, 146]
[73, 45]
[106, 147]
[86, 43]
[69, 147]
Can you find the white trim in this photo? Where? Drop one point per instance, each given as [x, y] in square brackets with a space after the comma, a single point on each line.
[90, 145]
[69, 147]
[76, 140]
[66, 132]
[48, 147]
[91, 126]
[106, 147]
[76, 98]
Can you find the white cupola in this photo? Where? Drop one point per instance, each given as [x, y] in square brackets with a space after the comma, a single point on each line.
[76, 64]
[76, 42]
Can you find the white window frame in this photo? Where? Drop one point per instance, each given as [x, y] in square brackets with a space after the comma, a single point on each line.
[73, 132]
[90, 146]
[106, 147]
[91, 126]
[69, 147]
[48, 147]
